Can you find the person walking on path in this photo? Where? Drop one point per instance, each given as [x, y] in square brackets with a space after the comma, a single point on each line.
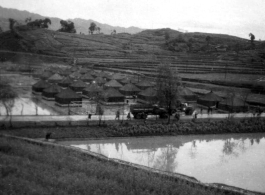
[195, 114]
[117, 115]
[129, 116]
[208, 111]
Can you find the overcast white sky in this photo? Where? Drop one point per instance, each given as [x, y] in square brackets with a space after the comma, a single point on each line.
[234, 17]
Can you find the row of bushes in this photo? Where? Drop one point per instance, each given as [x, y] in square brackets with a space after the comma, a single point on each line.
[184, 128]
[126, 129]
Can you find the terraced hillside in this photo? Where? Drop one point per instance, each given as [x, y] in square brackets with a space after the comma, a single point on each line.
[196, 59]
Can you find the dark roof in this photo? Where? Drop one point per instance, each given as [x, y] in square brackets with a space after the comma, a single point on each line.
[148, 92]
[233, 101]
[55, 77]
[113, 83]
[53, 89]
[130, 87]
[87, 76]
[75, 75]
[67, 94]
[144, 83]
[66, 80]
[93, 87]
[99, 80]
[118, 76]
[41, 84]
[184, 91]
[111, 92]
[46, 74]
[78, 83]
[211, 96]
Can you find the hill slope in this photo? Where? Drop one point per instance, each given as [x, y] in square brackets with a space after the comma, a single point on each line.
[81, 25]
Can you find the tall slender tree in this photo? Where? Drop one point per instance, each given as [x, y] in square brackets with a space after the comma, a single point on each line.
[167, 83]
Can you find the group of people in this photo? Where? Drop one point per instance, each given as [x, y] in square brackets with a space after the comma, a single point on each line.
[118, 115]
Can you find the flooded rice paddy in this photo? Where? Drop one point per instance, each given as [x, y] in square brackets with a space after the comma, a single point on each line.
[236, 160]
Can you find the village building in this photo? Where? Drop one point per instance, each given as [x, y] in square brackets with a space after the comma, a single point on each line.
[68, 97]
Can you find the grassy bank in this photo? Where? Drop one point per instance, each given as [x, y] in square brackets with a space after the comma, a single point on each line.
[125, 129]
[27, 168]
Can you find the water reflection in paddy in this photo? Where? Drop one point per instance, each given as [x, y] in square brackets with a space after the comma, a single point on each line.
[237, 160]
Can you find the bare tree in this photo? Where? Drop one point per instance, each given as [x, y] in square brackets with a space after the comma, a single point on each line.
[7, 98]
[167, 87]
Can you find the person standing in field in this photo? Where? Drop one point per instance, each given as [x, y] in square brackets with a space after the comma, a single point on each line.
[117, 115]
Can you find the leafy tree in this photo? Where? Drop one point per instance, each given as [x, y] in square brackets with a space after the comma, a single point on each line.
[167, 87]
[12, 23]
[167, 36]
[98, 29]
[92, 28]
[252, 37]
[208, 39]
[113, 32]
[27, 20]
[7, 98]
[67, 26]
[39, 23]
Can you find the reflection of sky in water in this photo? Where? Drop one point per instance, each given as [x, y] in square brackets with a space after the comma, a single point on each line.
[25, 106]
[237, 160]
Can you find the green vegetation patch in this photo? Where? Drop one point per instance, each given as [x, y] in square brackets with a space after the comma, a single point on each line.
[27, 168]
[126, 129]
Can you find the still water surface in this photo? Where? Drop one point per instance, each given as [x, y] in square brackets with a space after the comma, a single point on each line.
[235, 159]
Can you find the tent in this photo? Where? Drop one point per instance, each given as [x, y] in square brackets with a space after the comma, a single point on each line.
[186, 94]
[233, 104]
[210, 99]
[67, 97]
[113, 84]
[113, 96]
[65, 82]
[78, 86]
[144, 84]
[50, 92]
[147, 96]
[129, 90]
[87, 78]
[38, 87]
[92, 91]
[56, 78]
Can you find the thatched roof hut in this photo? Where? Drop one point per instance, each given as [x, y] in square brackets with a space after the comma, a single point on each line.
[50, 92]
[113, 84]
[46, 74]
[92, 91]
[112, 95]
[144, 84]
[55, 78]
[78, 86]
[148, 95]
[233, 104]
[128, 80]
[129, 90]
[66, 82]
[210, 99]
[66, 97]
[40, 86]
[186, 94]
[100, 81]
[118, 76]
[87, 78]
[75, 75]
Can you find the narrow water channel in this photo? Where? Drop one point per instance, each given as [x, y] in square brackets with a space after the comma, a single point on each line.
[235, 159]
